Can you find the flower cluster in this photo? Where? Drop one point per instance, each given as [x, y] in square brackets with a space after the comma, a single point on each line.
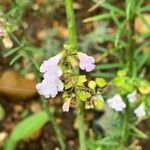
[118, 104]
[51, 83]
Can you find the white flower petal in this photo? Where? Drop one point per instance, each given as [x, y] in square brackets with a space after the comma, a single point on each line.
[132, 96]
[116, 103]
[140, 111]
[60, 85]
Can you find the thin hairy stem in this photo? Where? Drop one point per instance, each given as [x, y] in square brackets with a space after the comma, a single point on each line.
[73, 43]
[130, 60]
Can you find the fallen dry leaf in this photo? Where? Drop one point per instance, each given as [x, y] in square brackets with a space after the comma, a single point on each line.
[15, 87]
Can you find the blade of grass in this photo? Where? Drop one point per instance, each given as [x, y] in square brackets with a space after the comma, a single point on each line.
[11, 51]
[144, 9]
[109, 66]
[101, 17]
[15, 59]
[103, 75]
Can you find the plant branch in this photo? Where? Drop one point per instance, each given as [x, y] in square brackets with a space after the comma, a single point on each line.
[130, 60]
[73, 43]
[54, 123]
[50, 113]
[71, 24]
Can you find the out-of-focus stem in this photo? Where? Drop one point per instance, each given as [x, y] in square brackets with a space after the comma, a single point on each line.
[125, 130]
[130, 60]
[50, 114]
[131, 41]
[80, 118]
[54, 123]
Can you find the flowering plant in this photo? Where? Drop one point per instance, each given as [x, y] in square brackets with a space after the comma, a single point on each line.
[126, 94]
[60, 73]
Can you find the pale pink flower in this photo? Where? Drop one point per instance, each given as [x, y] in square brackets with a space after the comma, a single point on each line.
[50, 89]
[86, 62]
[50, 64]
[66, 106]
[116, 103]
[53, 72]
[51, 84]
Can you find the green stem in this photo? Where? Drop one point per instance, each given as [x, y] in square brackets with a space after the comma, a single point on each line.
[44, 101]
[50, 114]
[71, 24]
[80, 118]
[54, 123]
[130, 60]
[73, 43]
[131, 47]
[125, 130]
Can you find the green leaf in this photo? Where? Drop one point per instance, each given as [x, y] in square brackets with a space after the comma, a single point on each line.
[119, 32]
[26, 128]
[65, 95]
[145, 8]
[99, 102]
[122, 73]
[92, 85]
[126, 88]
[15, 59]
[82, 79]
[106, 6]
[101, 82]
[99, 17]
[142, 61]
[15, 39]
[128, 8]
[112, 8]
[140, 48]
[68, 85]
[83, 96]
[119, 81]
[103, 74]
[11, 51]
[139, 133]
[72, 61]
[109, 66]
